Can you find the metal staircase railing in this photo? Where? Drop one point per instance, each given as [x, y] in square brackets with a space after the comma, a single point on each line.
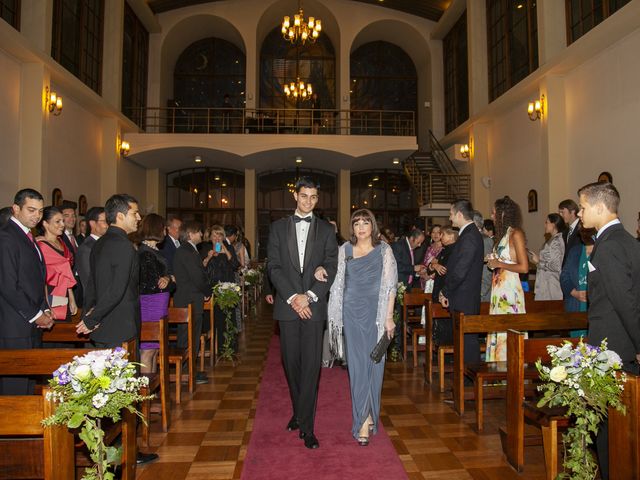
[434, 177]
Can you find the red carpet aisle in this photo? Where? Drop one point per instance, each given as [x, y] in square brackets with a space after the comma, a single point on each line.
[276, 454]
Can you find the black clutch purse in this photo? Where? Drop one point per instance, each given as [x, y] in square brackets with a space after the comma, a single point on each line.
[381, 348]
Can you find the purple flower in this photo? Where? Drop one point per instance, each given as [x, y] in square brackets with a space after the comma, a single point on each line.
[62, 375]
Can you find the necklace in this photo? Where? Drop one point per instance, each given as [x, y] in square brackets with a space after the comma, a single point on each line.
[150, 245]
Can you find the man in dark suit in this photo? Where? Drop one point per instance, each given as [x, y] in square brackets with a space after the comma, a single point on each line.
[192, 287]
[463, 280]
[298, 246]
[97, 224]
[112, 309]
[614, 286]
[568, 210]
[68, 209]
[171, 242]
[23, 307]
[404, 253]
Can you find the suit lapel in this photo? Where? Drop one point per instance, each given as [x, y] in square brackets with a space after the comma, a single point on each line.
[292, 242]
[311, 240]
[602, 238]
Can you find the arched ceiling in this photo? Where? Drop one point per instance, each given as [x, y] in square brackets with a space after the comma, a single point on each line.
[430, 9]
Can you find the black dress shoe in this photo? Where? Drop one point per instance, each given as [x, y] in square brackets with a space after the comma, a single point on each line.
[310, 440]
[293, 424]
[201, 378]
[144, 458]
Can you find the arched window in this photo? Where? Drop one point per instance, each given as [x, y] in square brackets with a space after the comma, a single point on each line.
[383, 77]
[388, 195]
[281, 62]
[208, 70]
[275, 198]
[208, 195]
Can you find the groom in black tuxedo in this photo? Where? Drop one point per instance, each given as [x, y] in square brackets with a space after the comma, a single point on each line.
[614, 287]
[299, 246]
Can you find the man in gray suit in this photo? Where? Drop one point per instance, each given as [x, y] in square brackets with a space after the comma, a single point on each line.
[97, 226]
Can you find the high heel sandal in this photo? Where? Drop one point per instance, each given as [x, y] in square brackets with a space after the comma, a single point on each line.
[363, 441]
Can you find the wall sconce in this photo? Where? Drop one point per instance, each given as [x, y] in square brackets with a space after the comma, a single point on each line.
[53, 102]
[124, 148]
[464, 150]
[536, 109]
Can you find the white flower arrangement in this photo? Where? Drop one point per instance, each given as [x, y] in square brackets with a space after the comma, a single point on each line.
[97, 385]
[586, 380]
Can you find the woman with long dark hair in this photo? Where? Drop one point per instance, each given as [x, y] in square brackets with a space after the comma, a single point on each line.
[508, 260]
[361, 302]
[57, 258]
[550, 260]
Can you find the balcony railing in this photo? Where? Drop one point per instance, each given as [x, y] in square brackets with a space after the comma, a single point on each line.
[274, 121]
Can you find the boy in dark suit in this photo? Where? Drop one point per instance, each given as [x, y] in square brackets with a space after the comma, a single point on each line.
[298, 246]
[23, 307]
[613, 286]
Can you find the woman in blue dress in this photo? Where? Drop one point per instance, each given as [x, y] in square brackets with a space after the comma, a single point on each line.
[361, 304]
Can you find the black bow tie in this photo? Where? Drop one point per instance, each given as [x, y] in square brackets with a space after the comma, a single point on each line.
[298, 219]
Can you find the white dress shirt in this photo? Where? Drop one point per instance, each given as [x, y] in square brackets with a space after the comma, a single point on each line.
[302, 233]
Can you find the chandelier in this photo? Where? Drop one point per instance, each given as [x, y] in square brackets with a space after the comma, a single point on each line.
[301, 30]
[298, 89]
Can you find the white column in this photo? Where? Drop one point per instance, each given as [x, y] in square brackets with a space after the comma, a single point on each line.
[251, 209]
[477, 56]
[555, 149]
[112, 53]
[479, 167]
[33, 125]
[36, 20]
[552, 29]
[110, 158]
[344, 202]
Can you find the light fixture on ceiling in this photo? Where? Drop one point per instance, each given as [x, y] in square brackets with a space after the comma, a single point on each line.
[197, 159]
[464, 150]
[536, 109]
[53, 102]
[298, 159]
[301, 31]
[396, 161]
[124, 148]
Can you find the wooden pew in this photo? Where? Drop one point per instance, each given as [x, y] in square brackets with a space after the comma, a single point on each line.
[64, 332]
[498, 323]
[210, 336]
[624, 434]
[522, 354]
[177, 356]
[157, 332]
[412, 301]
[436, 311]
[58, 441]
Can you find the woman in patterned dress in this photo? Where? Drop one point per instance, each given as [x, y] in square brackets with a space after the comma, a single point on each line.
[508, 260]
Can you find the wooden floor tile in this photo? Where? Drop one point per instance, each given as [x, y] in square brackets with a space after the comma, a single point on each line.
[211, 429]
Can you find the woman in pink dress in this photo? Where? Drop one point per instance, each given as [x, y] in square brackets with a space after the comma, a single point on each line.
[426, 278]
[57, 258]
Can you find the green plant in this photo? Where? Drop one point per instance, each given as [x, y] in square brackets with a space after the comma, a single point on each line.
[585, 380]
[227, 296]
[92, 387]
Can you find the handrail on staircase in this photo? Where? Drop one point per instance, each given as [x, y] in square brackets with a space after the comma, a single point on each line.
[440, 156]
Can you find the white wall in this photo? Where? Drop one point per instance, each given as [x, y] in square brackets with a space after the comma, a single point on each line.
[603, 112]
[73, 152]
[9, 127]
[516, 167]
